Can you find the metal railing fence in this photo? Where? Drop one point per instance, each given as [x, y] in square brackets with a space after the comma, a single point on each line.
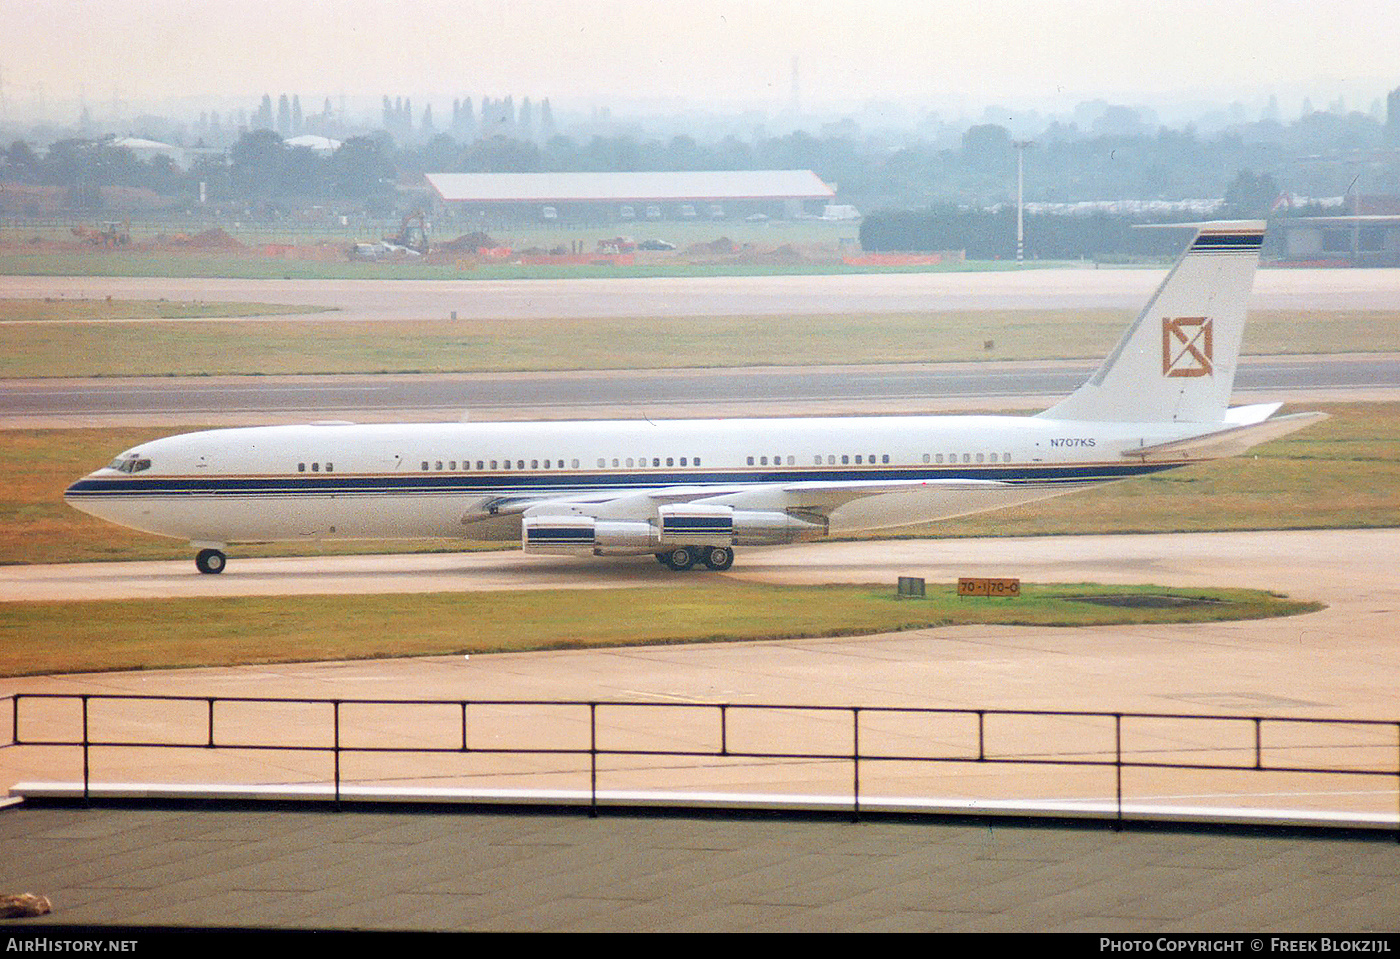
[978, 750]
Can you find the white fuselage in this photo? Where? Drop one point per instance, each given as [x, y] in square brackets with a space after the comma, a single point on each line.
[691, 490]
[448, 480]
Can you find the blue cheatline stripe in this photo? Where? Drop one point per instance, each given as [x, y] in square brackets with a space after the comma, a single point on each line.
[1227, 242]
[697, 522]
[561, 483]
[579, 529]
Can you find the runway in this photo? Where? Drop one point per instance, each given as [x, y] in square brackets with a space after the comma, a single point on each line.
[1058, 288]
[762, 391]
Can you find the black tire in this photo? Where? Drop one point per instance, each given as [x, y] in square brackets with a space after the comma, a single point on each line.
[210, 561]
[719, 558]
[680, 559]
[661, 558]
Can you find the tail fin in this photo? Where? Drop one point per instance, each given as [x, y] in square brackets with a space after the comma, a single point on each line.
[1176, 363]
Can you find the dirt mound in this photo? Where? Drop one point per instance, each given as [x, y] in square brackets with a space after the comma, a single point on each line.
[468, 243]
[723, 245]
[787, 253]
[215, 239]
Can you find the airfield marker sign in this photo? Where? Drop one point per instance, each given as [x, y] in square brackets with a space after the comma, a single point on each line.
[983, 586]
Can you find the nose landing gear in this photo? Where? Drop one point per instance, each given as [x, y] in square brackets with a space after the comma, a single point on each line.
[210, 561]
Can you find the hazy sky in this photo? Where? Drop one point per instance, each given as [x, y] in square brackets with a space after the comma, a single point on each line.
[1042, 53]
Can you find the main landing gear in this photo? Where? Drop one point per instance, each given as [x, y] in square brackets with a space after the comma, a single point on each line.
[210, 561]
[718, 558]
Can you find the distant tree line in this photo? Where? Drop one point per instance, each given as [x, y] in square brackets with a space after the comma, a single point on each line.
[260, 167]
[83, 165]
[1318, 155]
[990, 234]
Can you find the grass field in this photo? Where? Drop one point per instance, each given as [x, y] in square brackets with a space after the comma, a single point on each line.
[1342, 473]
[38, 638]
[334, 346]
[84, 311]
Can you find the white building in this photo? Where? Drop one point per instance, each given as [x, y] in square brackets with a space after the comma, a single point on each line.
[146, 149]
[319, 144]
[624, 197]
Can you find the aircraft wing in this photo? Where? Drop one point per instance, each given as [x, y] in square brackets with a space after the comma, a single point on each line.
[638, 503]
[820, 501]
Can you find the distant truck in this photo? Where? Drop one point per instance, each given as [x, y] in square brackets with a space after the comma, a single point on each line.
[617, 245]
[833, 211]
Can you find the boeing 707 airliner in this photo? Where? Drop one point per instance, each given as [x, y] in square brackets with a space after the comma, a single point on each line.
[690, 491]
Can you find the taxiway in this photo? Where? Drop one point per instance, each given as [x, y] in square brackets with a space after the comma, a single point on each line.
[1057, 288]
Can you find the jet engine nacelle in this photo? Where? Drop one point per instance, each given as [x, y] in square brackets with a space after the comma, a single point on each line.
[702, 524]
[573, 535]
[679, 525]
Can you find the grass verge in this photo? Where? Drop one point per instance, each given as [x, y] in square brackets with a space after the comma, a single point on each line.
[446, 346]
[79, 311]
[1342, 473]
[40, 638]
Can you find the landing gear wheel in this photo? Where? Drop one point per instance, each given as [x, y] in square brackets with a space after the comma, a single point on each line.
[719, 558]
[680, 559]
[210, 561]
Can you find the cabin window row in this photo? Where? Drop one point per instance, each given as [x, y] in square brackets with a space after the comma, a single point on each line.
[831, 459]
[873, 459]
[618, 462]
[970, 458]
[451, 465]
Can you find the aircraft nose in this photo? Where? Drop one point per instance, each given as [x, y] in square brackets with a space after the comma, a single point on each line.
[75, 496]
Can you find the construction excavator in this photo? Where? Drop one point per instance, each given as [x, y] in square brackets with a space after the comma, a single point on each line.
[411, 240]
[413, 232]
[112, 234]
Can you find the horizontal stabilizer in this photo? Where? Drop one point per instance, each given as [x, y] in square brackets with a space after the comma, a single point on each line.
[1227, 442]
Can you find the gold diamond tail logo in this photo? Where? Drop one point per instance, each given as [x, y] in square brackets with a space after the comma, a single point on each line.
[1186, 346]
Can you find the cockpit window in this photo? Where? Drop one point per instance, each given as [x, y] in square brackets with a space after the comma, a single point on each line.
[130, 464]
